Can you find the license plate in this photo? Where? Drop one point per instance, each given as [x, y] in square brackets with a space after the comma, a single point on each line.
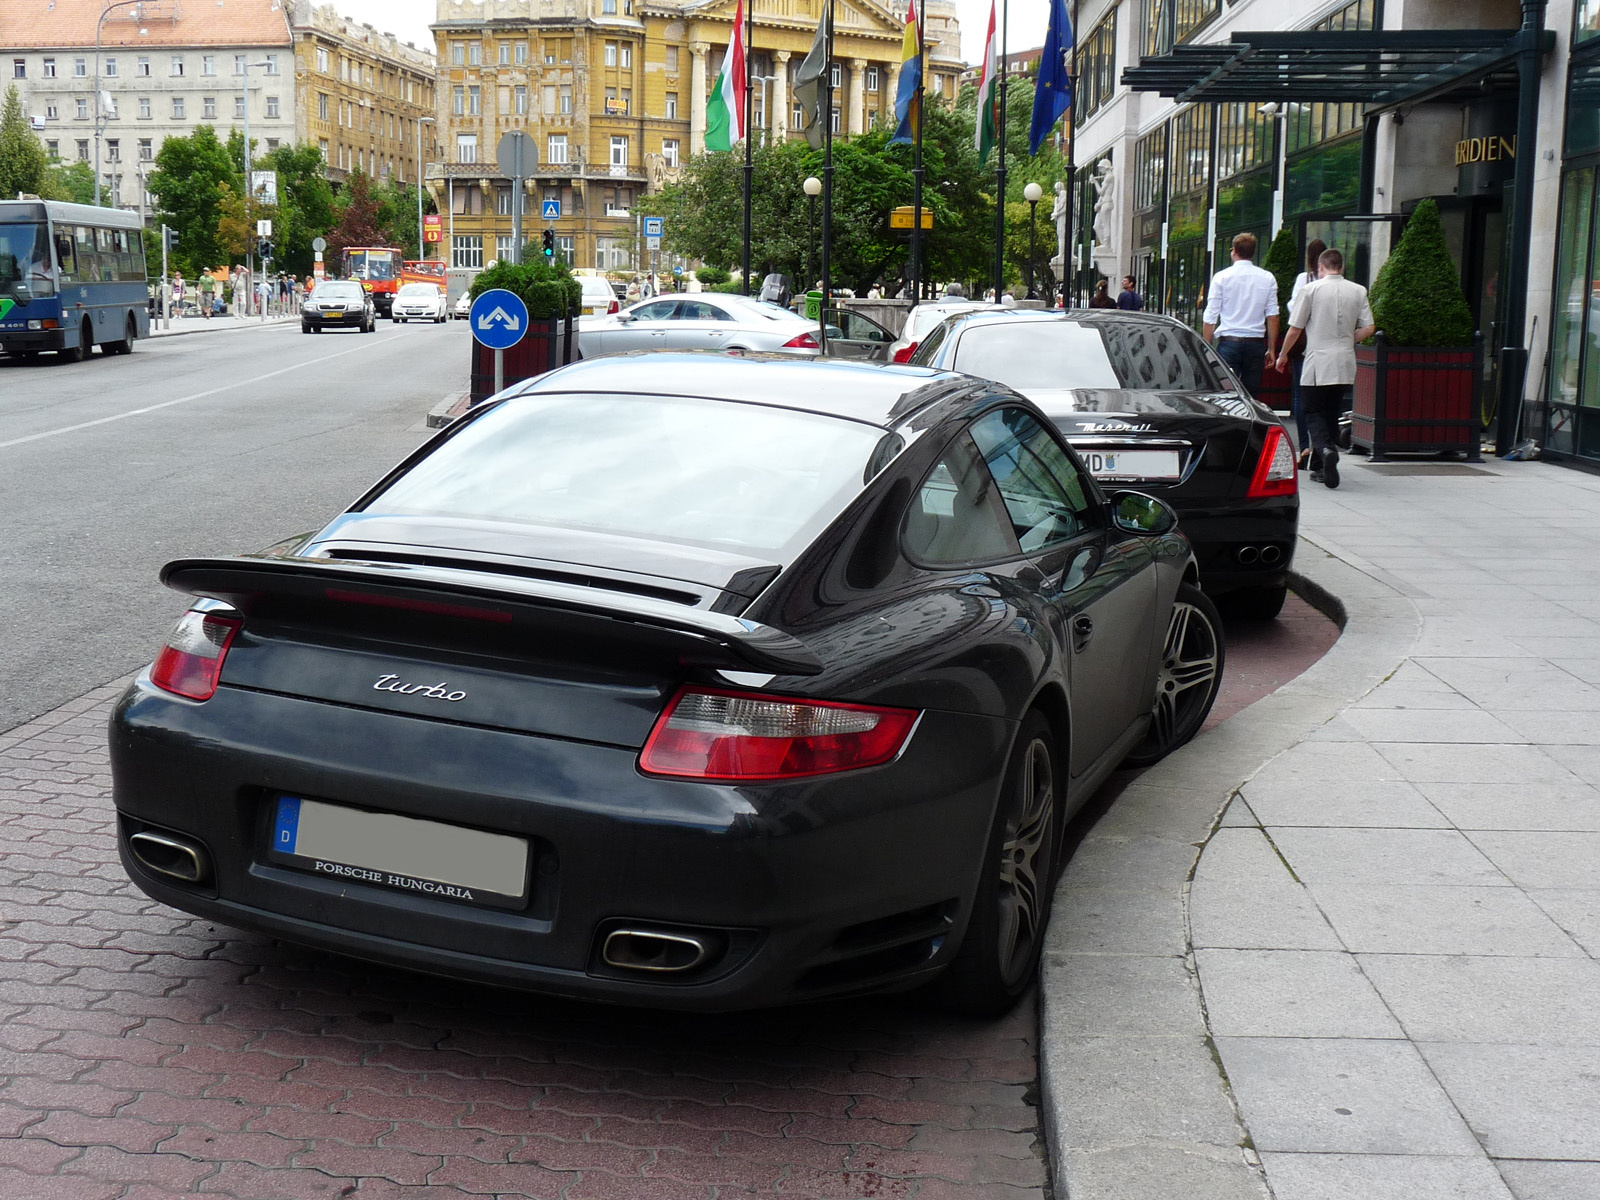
[426, 858]
[1133, 464]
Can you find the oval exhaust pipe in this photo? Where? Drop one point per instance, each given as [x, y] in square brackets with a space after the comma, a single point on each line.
[651, 950]
[168, 855]
[1247, 555]
[1271, 555]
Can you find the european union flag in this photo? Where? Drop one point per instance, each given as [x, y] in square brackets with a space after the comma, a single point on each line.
[1052, 95]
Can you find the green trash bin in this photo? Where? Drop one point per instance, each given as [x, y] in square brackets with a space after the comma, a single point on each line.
[814, 306]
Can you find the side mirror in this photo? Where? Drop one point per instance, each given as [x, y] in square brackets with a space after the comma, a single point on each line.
[625, 317]
[1141, 515]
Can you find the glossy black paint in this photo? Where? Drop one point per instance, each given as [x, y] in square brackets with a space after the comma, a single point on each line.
[809, 888]
[1220, 435]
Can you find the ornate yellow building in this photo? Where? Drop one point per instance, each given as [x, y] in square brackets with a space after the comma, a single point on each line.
[613, 93]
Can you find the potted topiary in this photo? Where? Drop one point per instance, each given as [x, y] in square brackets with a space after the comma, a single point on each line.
[552, 296]
[1417, 381]
[1283, 260]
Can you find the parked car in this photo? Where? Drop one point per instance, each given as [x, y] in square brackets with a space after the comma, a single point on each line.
[924, 318]
[599, 298]
[419, 302]
[338, 304]
[855, 335]
[691, 680]
[705, 321]
[463, 307]
[1148, 404]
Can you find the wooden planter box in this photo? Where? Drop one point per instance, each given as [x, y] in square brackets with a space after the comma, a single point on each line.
[549, 343]
[1277, 389]
[1417, 399]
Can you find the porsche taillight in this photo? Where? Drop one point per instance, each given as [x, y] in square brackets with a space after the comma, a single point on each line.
[1275, 470]
[190, 664]
[712, 734]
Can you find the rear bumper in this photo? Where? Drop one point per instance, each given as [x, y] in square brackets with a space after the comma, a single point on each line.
[818, 888]
[1241, 544]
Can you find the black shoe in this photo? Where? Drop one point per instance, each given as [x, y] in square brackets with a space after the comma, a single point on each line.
[1330, 467]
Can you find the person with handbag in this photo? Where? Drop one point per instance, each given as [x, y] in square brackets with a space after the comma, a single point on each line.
[1297, 358]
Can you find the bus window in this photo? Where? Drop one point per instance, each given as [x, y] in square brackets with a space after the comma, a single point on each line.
[86, 254]
[25, 260]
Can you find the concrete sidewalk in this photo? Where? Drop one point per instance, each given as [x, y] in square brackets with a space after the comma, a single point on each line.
[1345, 944]
[182, 325]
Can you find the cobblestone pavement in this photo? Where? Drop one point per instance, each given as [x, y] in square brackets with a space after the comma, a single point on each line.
[145, 1054]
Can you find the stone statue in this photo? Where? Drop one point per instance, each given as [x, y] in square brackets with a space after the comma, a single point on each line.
[1058, 214]
[1106, 247]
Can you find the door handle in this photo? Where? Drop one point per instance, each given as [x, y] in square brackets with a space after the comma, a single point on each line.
[1082, 631]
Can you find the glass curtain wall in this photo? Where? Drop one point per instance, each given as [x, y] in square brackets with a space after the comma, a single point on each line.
[1247, 153]
[1149, 212]
[1187, 220]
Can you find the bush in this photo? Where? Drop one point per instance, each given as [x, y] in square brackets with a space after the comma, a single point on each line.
[710, 277]
[1283, 260]
[548, 290]
[1417, 298]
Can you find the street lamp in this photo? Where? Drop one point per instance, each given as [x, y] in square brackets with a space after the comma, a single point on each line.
[99, 120]
[813, 189]
[249, 191]
[422, 246]
[1032, 194]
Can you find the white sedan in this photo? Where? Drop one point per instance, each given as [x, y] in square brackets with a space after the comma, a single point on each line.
[419, 302]
[705, 321]
[463, 308]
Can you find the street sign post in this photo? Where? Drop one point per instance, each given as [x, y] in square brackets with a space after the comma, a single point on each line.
[655, 226]
[499, 319]
[319, 244]
[516, 157]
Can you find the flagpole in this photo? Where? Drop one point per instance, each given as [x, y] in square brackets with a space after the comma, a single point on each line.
[1069, 261]
[1000, 169]
[749, 166]
[827, 187]
[916, 167]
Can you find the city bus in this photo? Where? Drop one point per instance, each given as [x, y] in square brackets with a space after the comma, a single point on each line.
[378, 270]
[424, 270]
[72, 277]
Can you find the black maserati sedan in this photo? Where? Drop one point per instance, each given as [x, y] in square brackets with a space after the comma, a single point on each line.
[1148, 404]
[674, 679]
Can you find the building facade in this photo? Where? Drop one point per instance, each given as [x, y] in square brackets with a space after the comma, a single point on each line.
[365, 98]
[613, 93]
[1166, 178]
[110, 86]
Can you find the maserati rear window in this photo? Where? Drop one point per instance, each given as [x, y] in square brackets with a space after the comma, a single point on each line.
[716, 473]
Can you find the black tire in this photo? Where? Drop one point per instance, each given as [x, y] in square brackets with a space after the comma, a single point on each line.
[1000, 953]
[1193, 654]
[1255, 604]
[85, 346]
[125, 346]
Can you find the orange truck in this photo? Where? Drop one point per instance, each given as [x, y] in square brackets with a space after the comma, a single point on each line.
[378, 269]
[426, 270]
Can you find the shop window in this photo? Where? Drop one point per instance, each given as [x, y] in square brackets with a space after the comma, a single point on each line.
[1586, 21]
[1571, 379]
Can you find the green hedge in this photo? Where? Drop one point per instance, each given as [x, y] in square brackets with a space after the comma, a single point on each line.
[548, 290]
[1283, 260]
[1417, 298]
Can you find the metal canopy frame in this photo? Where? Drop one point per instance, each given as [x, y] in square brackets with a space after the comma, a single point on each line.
[1381, 69]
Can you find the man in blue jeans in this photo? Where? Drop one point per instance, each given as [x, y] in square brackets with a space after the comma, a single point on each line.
[1241, 314]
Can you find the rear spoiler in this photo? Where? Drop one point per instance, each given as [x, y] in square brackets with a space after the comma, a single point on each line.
[714, 639]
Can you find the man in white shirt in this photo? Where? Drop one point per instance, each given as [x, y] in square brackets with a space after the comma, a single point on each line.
[1333, 314]
[1242, 314]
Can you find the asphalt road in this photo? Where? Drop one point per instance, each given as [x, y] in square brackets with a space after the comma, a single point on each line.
[213, 443]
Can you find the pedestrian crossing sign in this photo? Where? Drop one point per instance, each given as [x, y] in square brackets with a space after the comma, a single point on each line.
[552, 210]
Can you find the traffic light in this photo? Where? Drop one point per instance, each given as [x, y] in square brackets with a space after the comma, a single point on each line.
[264, 248]
[171, 235]
[549, 244]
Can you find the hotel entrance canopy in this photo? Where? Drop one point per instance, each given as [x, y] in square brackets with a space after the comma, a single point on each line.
[1381, 69]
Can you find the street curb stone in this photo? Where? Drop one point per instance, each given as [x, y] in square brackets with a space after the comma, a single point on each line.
[1136, 1105]
[249, 324]
[448, 409]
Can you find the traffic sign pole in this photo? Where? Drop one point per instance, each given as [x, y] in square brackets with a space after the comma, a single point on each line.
[499, 319]
[515, 156]
[499, 371]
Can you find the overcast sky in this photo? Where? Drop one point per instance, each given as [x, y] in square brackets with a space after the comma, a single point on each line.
[409, 20]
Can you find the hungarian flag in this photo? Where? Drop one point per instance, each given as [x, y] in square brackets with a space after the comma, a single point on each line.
[725, 108]
[908, 100]
[988, 121]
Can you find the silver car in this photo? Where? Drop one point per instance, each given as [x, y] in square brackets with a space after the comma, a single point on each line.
[922, 320]
[703, 321]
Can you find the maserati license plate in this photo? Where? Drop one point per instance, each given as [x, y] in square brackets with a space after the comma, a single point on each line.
[1133, 464]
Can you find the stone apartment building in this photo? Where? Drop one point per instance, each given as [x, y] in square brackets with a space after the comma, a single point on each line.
[360, 95]
[163, 68]
[614, 92]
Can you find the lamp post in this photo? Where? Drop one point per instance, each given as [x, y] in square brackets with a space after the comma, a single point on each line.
[813, 189]
[100, 120]
[249, 192]
[422, 246]
[1031, 194]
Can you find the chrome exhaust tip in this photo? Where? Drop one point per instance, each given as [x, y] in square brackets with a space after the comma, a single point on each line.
[654, 951]
[1271, 555]
[166, 854]
[1247, 555]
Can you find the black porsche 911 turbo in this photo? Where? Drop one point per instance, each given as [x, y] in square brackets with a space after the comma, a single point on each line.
[1148, 404]
[674, 679]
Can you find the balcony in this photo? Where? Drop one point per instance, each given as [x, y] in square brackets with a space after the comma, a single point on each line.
[573, 168]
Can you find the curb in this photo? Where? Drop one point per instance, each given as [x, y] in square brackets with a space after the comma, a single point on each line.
[448, 409]
[267, 324]
[1135, 1103]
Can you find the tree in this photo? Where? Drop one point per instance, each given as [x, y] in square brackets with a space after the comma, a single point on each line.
[357, 217]
[1417, 298]
[72, 181]
[23, 162]
[187, 185]
[1283, 260]
[305, 208]
[235, 230]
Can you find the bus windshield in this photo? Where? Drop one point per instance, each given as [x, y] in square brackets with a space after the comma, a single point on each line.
[25, 260]
[371, 265]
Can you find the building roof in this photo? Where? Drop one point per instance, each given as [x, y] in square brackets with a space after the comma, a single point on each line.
[71, 24]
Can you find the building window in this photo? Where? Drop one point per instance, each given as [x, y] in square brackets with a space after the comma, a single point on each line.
[608, 7]
[613, 253]
[208, 109]
[611, 54]
[566, 97]
[322, 106]
[672, 106]
[238, 63]
[556, 148]
[272, 108]
[53, 149]
[51, 112]
[1150, 170]
[504, 247]
[564, 248]
[113, 150]
[458, 54]
[322, 145]
[672, 59]
[466, 251]
[549, 98]
[1167, 21]
[83, 109]
[467, 147]
[619, 151]
[322, 59]
[147, 150]
[669, 151]
[49, 68]
[458, 101]
[272, 63]
[872, 79]
[522, 53]
[110, 68]
[505, 54]
[502, 201]
[83, 149]
[474, 101]
[474, 54]
[836, 127]
[836, 75]
[238, 108]
[208, 64]
[80, 68]
[549, 53]
[519, 97]
[1097, 75]
[141, 66]
[799, 115]
[144, 108]
[177, 66]
[626, 49]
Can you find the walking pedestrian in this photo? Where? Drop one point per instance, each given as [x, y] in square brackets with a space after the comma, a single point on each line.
[1332, 314]
[208, 288]
[177, 291]
[238, 291]
[1313, 253]
[1102, 296]
[1129, 300]
[1241, 314]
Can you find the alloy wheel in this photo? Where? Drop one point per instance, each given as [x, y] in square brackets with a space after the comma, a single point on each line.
[1191, 664]
[1025, 862]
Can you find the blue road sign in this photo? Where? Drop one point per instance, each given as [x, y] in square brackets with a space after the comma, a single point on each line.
[654, 226]
[552, 210]
[499, 319]
[677, 270]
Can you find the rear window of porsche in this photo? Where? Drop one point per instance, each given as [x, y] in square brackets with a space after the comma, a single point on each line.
[667, 468]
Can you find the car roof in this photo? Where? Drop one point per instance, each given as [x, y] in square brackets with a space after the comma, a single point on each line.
[1082, 316]
[880, 394]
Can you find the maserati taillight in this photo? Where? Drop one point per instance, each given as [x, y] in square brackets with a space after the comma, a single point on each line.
[711, 734]
[1275, 470]
[191, 662]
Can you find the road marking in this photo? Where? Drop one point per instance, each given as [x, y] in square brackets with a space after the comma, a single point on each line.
[227, 387]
